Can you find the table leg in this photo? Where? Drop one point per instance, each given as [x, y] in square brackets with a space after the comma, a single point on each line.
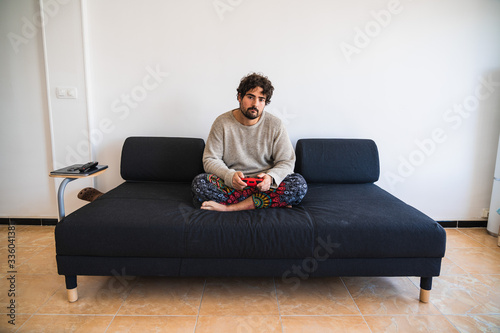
[60, 197]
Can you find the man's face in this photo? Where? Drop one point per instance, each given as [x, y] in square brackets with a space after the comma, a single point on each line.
[252, 104]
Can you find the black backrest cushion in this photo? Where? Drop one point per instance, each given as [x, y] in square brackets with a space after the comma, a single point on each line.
[161, 159]
[339, 161]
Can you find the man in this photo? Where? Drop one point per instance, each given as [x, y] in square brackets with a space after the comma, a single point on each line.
[248, 142]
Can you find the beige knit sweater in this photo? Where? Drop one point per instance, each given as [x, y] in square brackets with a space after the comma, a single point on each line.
[263, 147]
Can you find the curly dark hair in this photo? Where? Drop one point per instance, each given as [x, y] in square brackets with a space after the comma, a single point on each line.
[254, 80]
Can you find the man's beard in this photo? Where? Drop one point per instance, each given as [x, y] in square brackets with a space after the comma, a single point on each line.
[248, 114]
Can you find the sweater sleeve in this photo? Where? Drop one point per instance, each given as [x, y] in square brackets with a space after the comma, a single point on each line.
[283, 155]
[213, 154]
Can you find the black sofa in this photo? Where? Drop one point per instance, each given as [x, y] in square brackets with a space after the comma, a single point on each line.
[345, 226]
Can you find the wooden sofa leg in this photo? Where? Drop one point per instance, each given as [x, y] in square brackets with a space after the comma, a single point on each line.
[71, 288]
[72, 295]
[425, 289]
[424, 295]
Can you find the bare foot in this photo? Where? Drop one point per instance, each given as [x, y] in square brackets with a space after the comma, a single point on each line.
[242, 205]
[212, 205]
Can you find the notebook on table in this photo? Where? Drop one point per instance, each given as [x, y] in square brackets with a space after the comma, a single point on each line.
[72, 170]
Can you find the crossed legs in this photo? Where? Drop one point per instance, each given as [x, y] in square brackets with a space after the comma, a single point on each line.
[211, 192]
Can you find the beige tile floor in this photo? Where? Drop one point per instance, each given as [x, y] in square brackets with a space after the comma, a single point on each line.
[465, 298]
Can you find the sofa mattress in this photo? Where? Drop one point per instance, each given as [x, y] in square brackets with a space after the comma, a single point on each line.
[158, 220]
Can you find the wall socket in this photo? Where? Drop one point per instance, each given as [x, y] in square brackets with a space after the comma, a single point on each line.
[66, 92]
[486, 213]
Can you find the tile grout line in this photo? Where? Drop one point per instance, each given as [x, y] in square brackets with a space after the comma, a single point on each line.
[31, 316]
[466, 271]
[278, 304]
[469, 237]
[356, 304]
[78, 314]
[48, 299]
[448, 320]
[199, 307]
[468, 274]
[38, 309]
[475, 240]
[121, 305]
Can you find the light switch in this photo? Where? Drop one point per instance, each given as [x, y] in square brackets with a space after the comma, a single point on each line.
[71, 93]
[61, 92]
[66, 92]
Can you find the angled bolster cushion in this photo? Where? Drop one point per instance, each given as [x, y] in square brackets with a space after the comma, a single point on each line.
[161, 159]
[339, 161]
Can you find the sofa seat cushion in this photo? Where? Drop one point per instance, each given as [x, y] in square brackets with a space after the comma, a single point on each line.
[364, 221]
[141, 219]
[134, 219]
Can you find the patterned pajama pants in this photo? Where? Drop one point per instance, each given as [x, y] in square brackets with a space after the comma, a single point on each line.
[208, 187]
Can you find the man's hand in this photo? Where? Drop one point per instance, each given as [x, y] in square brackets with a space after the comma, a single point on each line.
[238, 184]
[266, 182]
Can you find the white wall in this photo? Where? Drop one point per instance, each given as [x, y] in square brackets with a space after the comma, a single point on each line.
[393, 71]
[25, 144]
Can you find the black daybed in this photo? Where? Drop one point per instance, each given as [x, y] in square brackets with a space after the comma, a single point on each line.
[345, 226]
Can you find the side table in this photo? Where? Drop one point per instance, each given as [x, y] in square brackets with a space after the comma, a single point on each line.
[69, 177]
